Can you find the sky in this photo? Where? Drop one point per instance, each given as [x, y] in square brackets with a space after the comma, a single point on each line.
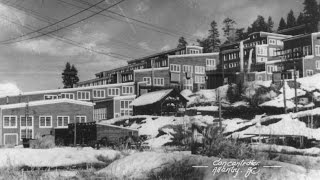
[37, 63]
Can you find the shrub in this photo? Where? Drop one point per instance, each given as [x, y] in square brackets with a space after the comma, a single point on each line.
[179, 170]
[45, 142]
[215, 144]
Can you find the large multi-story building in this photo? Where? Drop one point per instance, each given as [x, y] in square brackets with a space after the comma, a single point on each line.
[182, 68]
[300, 53]
[248, 57]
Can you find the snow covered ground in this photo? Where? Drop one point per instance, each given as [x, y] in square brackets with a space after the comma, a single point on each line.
[139, 165]
[286, 149]
[18, 157]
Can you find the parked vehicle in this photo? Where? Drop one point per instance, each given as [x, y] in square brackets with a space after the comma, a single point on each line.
[95, 135]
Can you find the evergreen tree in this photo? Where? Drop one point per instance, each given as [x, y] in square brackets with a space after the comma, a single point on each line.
[240, 34]
[212, 42]
[229, 30]
[311, 14]
[182, 42]
[270, 24]
[300, 19]
[282, 24]
[258, 25]
[291, 20]
[69, 76]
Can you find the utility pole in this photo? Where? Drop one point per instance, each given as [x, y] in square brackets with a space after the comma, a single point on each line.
[219, 101]
[75, 131]
[295, 87]
[284, 94]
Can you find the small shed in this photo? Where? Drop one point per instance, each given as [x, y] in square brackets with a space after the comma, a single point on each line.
[161, 102]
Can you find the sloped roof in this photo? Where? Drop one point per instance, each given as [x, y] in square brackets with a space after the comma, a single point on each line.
[150, 98]
[46, 102]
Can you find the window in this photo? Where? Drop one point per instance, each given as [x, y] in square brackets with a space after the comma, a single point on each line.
[309, 72]
[187, 68]
[49, 97]
[210, 62]
[99, 114]
[272, 51]
[62, 121]
[271, 69]
[9, 121]
[26, 127]
[45, 121]
[83, 95]
[113, 91]
[279, 42]
[199, 69]
[272, 42]
[262, 51]
[125, 108]
[194, 51]
[81, 119]
[307, 50]
[188, 84]
[67, 95]
[164, 63]
[262, 59]
[318, 64]
[158, 81]
[317, 50]
[127, 89]
[99, 93]
[147, 79]
[225, 66]
[174, 67]
[199, 79]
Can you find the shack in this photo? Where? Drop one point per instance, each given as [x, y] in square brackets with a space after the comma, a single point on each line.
[159, 103]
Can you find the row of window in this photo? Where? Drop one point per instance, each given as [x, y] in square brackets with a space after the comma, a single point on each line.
[231, 65]
[97, 93]
[189, 68]
[156, 81]
[44, 121]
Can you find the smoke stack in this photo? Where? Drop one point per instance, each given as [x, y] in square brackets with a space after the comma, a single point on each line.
[241, 56]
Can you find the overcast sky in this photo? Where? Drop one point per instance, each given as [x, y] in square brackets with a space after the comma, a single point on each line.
[37, 63]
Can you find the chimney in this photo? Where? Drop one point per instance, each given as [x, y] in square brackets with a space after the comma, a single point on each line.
[241, 56]
[7, 100]
[250, 60]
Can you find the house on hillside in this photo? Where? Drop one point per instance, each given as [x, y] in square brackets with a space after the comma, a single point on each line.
[159, 103]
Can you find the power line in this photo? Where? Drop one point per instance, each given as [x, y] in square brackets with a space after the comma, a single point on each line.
[50, 20]
[69, 24]
[69, 41]
[141, 23]
[73, 15]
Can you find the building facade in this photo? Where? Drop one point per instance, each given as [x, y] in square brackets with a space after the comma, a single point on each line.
[38, 118]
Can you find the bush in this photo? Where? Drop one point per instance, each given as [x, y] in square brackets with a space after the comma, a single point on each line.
[45, 142]
[215, 144]
[179, 170]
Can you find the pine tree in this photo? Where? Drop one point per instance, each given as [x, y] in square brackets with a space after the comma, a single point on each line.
[182, 42]
[270, 24]
[291, 20]
[311, 14]
[258, 25]
[212, 42]
[240, 34]
[300, 19]
[69, 76]
[282, 24]
[229, 30]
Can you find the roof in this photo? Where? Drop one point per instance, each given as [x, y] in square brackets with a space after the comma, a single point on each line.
[104, 124]
[72, 89]
[46, 102]
[157, 54]
[150, 98]
[194, 55]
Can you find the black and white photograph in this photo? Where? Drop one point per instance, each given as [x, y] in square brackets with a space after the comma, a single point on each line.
[159, 89]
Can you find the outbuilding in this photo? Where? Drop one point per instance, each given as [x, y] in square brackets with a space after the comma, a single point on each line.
[161, 102]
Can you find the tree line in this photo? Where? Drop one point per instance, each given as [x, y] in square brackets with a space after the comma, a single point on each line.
[233, 33]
